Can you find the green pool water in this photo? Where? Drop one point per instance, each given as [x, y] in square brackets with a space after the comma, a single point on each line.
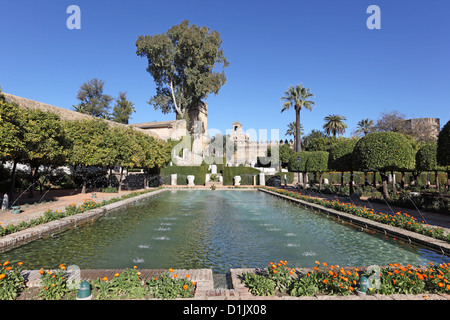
[217, 230]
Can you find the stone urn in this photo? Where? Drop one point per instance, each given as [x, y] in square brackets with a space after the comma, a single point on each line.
[190, 180]
[237, 180]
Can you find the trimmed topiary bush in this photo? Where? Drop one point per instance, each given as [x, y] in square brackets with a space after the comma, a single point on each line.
[383, 151]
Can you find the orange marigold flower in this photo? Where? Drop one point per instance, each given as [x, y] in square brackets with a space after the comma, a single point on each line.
[325, 281]
[185, 287]
[175, 275]
[170, 270]
[20, 263]
[105, 278]
[116, 275]
[6, 263]
[2, 276]
[324, 264]
[440, 284]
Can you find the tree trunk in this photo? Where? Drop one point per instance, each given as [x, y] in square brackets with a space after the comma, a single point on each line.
[366, 181]
[320, 180]
[384, 180]
[351, 183]
[13, 182]
[437, 180]
[448, 180]
[146, 178]
[402, 183]
[34, 172]
[298, 146]
[110, 177]
[374, 179]
[84, 187]
[342, 179]
[394, 188]
[415, 175]
[120, 179]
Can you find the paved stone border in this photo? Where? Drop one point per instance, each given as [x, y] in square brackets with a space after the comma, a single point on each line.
[423, 240]
[19, 238]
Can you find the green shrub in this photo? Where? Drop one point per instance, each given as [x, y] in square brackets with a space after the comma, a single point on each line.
[246, 174]
[11, 281]
[443, 146]
[170, 286]
[294, 166]
[183, 171]
[109, 190]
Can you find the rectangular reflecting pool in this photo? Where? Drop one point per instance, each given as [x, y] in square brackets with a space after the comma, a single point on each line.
[218, 230]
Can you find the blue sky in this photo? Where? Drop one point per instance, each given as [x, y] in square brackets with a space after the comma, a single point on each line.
[324, 45]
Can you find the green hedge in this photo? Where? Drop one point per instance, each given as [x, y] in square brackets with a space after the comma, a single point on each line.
[183, 171]
[246, 174]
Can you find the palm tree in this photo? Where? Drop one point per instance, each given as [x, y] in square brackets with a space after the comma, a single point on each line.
[291, 131]
[80, 108]
[365, 125]
[334, 124]
[297, 97]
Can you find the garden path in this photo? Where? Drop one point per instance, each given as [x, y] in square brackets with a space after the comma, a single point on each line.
[32, 208]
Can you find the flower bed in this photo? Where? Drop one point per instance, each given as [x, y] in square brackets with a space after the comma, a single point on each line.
[400, 219]
[125, 285]
[324, 279]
